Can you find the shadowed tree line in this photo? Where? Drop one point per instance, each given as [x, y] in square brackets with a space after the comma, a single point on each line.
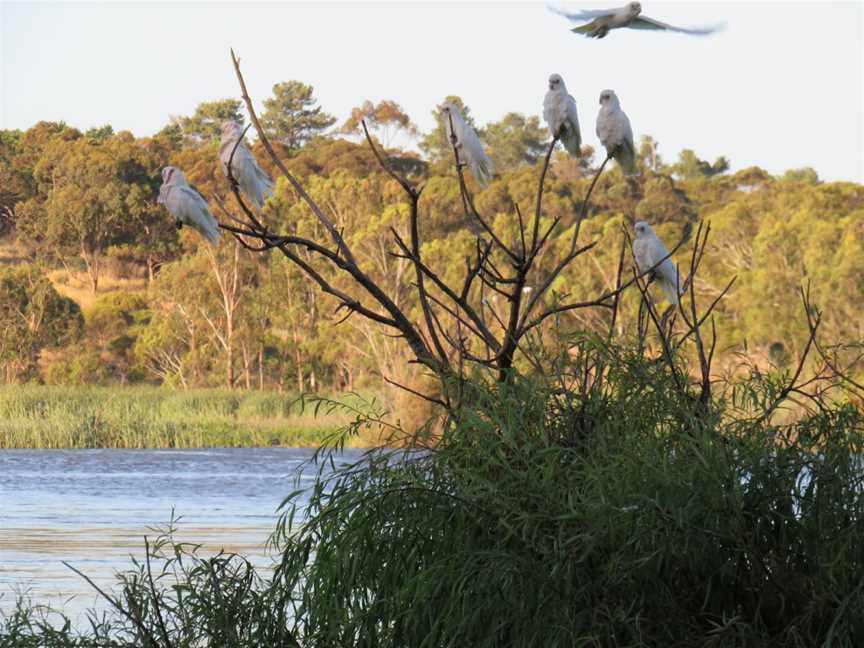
[85, 204]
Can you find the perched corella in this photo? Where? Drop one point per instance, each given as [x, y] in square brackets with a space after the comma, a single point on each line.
[186, 205]
[601, 21]
[467, 144]
[559, 111]
[648, 251]
[252, 180]
[613, 129]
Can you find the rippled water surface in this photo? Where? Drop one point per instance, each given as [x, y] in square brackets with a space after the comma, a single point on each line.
[92, 509]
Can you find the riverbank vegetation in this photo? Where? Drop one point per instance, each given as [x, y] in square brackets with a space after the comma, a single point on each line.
[34, 416]
[596, 467]
[624, 517]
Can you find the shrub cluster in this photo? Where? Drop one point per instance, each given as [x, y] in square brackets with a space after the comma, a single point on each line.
[545, 514]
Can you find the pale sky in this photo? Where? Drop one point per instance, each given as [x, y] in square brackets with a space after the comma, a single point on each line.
[781, 87]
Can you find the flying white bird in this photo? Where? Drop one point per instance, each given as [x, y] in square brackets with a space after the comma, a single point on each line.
[613, 129]
[467, 144]
[252, 180]
[604, 20]
[648, 251]
[186, 205]
[559, 111]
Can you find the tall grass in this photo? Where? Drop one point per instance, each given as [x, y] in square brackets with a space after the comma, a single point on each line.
[625, 514]
[149, 417]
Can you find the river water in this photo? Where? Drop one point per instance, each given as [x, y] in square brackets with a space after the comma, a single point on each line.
[92, 509]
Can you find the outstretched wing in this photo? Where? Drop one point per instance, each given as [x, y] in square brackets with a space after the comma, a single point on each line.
[644, 22]
[581, 16]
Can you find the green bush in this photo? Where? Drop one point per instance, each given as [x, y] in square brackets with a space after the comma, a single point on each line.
[618, 512]
[626, 517]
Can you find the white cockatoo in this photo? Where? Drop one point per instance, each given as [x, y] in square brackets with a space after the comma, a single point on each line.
[252, 180]
[559, 111]
[467, 144]
[648, 251]
[613, 129]
[186, 205]
[604, 20]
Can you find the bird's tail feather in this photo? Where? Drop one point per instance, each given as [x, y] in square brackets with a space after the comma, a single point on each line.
[626, 160]
[266, 188]
[209, 231]
[212, 236]
[670, 290]
[482, 171]
[572, 142]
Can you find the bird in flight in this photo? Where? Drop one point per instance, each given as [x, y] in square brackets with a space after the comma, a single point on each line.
[602, 21]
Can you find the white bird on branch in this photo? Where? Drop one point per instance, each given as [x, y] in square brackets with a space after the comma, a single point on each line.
[648, 250]
[559, 111]
[602, 21]
[186, 205]
[252, 180]
[467, 144]
[613, 129]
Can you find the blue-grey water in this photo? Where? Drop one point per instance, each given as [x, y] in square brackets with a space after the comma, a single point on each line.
[92, 509]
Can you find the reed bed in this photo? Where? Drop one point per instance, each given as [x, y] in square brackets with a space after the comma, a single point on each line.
[34, 416]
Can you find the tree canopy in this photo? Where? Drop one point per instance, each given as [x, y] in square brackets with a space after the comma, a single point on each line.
[292, 115]
[205, 124]
[86, 204]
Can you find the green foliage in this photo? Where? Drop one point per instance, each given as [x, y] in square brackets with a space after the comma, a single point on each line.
[92, 193]
[205, 124]
[106, 353]
[806, 174]
[546, 514]
[177, 596]
[690, 166]
[33, 316]
[12, 185]
[292, 117]
[99, 133]
[88, 203]
[146, 417]
[385, 118]
[515, 141]
[611, 517]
